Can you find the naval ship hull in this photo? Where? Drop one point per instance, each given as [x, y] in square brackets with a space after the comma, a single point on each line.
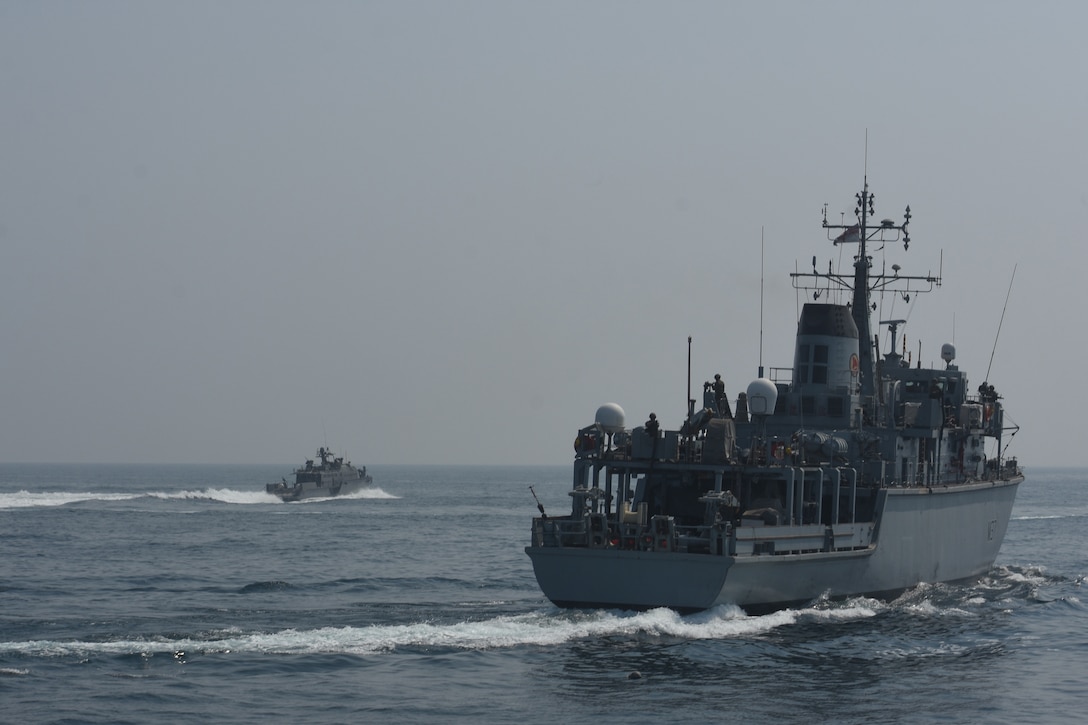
[311, 490]
[936, 534]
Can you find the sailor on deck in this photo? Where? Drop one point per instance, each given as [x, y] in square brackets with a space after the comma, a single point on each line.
[720, 401]
[652, 426]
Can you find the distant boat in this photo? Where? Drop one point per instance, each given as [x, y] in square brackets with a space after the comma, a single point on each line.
[847, 474]
[331, 477]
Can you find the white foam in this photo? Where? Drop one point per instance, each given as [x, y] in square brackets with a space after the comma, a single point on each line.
[371, 492]
[1034, 575]
[26, 499]
[226, 495]
[857, 608]
[541, 628]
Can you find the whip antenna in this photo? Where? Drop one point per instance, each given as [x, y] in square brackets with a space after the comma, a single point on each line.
[1000, 322]
[761, 302]
[691, 400]
[538, 504]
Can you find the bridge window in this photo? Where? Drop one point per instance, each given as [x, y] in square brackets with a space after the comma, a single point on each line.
[812, 364]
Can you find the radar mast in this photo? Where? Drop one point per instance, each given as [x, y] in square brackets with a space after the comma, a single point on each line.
[864, 281]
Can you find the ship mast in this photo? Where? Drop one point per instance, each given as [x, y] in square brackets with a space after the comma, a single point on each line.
[864, 281]
[860, 305]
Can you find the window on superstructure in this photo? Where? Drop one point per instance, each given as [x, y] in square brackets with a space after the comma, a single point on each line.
[914, 387]
[812, 364]
[819, 364]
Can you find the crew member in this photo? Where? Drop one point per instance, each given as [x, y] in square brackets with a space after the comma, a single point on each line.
[652, 426]
[720, 401]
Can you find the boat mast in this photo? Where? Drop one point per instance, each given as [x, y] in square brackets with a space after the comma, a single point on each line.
[864, 282]
[860, 305]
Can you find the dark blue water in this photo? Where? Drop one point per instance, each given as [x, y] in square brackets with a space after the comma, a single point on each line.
[135, 594]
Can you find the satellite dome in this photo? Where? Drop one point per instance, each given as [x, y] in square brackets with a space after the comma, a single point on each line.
[948, 352]
[762, 396]
[610, 417]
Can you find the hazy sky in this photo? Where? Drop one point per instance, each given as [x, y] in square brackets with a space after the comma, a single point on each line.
[446, 232]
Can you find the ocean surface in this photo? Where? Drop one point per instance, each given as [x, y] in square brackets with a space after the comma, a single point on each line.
[184, 593]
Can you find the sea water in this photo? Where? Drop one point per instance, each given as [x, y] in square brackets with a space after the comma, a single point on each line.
[184, 593]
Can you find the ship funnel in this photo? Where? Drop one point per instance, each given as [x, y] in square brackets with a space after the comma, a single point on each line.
[762, 396]
[826, 351]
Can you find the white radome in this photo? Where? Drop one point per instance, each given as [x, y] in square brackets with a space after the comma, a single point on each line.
[610, 417]
[762, 396]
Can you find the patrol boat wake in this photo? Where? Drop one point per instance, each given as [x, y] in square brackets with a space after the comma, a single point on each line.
[331, 477]
[850, 473]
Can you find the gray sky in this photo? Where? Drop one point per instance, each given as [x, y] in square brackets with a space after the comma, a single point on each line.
[446, 232]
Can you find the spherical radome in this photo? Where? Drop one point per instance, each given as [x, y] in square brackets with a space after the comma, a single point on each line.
[762, 396]
[610, 417]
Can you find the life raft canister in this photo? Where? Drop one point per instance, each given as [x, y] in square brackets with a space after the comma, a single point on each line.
[585, 444]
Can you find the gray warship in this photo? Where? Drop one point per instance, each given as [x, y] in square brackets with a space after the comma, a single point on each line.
[851, 473]
[331, 477]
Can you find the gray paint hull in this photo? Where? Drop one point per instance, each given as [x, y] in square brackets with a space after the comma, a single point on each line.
[312, 490]
[934, 534]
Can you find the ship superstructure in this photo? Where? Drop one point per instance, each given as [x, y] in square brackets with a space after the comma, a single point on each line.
[851, 472]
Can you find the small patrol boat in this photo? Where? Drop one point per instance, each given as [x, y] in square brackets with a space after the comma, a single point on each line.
[331, 477]
[850, 473]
